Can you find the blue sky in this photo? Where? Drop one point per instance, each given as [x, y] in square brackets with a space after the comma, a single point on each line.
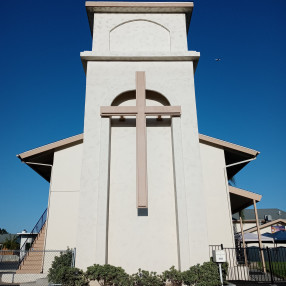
[240, 99]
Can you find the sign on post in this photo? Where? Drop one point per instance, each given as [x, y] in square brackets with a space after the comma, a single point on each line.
[219, 257]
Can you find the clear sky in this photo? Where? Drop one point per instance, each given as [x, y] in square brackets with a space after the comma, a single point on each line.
[240, 99]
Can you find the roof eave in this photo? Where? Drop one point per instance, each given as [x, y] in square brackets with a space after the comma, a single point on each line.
[138, 7]
[227, 145]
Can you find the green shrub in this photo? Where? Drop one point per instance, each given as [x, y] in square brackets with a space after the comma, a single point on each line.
[68, 276]
[61, 271]
[191, 276]
[59, 265]
[209, 274]
[11, 243]
[108, 275]
[146, 278]
[202, 275]
[173, 275]
[224, 269]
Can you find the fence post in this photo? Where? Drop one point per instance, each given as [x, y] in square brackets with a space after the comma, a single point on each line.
[259, 237]
[73, 257]
[270, 264]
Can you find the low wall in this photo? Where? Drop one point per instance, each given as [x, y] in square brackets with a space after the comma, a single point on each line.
[21, 278]
[10, 258]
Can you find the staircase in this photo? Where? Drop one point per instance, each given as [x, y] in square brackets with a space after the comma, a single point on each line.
[33, 261]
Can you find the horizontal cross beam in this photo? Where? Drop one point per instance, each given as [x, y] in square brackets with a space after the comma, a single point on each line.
[107, 111]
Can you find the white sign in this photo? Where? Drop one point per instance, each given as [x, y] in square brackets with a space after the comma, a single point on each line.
[219, 256]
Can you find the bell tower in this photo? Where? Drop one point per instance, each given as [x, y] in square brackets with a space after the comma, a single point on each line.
[142, 200]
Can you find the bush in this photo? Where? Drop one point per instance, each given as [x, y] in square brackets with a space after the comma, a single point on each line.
[224, 268]
[191, 276]
[108, 275]
[61, 271]
[146, 278]
[60, 264]
[11, 243]
[202, 275]
[209, 274]
[68, 276]
[174, 276]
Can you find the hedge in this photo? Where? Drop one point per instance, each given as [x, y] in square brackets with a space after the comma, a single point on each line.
[61, 272]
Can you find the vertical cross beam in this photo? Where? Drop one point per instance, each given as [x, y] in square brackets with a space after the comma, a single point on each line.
[141, 142]
[140, 111]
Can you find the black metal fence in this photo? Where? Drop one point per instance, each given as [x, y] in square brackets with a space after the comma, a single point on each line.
[33, 269]
[255, 264]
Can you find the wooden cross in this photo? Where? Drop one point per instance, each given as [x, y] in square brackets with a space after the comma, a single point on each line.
[140, 111]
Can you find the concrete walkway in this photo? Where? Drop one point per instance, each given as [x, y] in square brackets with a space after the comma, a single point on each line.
[240, 283]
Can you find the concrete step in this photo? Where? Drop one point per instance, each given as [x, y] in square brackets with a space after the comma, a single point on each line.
[38, 242]
[40, 238]
[35, 252]
[35, 262]
[31, 266]
[27, 271]
[33, 258]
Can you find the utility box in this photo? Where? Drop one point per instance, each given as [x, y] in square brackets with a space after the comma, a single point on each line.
[219, 256]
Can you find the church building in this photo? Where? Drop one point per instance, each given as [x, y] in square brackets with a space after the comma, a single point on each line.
[140, 188]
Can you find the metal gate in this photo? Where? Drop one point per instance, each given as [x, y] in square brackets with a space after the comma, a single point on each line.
[255, 264]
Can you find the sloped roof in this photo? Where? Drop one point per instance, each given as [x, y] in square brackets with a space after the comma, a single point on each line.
[44, 154]
[241, 199]
[249, 214]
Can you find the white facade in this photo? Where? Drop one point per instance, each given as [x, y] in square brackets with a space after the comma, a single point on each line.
[63, 199]
[125, 235]
[133, 33]
[113, 33]
[92, 203]
[220, 229]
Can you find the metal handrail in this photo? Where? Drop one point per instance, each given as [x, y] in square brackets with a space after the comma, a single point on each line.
[36, 229]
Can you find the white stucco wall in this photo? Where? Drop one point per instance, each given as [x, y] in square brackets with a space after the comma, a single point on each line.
[135, 36]
[63, 199]
[139, 33]
[132, 35]
[220, 230]
[149, 242]
[175, 80]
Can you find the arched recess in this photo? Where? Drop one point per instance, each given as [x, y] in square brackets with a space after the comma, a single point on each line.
[139, 36]
[131, 94]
